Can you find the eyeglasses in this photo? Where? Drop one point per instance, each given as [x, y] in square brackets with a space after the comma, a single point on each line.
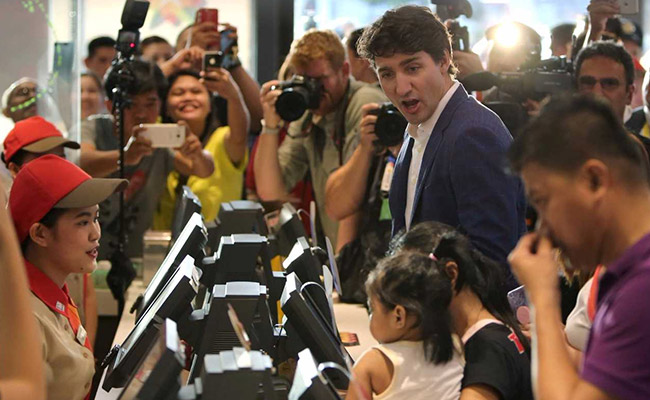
[589, 82]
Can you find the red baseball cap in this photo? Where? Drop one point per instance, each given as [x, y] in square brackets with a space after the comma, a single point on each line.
[52, 182]
[36, 135]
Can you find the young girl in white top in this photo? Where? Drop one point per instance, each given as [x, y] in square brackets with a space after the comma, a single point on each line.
[409, 300]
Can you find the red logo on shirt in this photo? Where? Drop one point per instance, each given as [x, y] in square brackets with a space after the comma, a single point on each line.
[514, 339]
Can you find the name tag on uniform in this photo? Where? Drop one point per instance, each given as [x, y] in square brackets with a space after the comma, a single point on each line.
[81, 335]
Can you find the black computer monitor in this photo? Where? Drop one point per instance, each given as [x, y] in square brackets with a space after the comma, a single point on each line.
[312, 328]
[288, 229]
[237, 260]
[173, 302]
[305, 261]
[309, 383]
[241, 216]
[237, 374]
[186, 205]
[190, 242]
[158, 376]
[308, 264]
[216, 333]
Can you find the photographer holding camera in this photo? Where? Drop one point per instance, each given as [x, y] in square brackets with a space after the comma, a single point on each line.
[450, 169]
[321, 139]
[359, 190]
[146, 168]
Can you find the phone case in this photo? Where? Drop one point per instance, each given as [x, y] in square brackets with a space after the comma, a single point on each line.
[519, 304]
[517, 298]
[629, 6]
[212, 59]
[207, 14]
[164, 135]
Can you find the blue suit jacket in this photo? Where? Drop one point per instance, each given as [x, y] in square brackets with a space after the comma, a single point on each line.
[463, 180]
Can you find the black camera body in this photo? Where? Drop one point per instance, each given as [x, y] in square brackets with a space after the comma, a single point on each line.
[537, 79]
[451, 10]
[299, 94]
[390, 125]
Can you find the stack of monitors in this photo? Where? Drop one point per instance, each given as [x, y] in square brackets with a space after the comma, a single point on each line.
[173, 302]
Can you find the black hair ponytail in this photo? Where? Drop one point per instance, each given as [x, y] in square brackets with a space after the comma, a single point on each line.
[486, 278]
[415, 282]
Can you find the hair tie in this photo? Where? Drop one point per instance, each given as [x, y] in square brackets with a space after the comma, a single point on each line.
[433, 257]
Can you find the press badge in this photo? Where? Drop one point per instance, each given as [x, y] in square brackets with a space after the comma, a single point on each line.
[81, 335]
[388, 176]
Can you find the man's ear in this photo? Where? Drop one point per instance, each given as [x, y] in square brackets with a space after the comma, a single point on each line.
[629, 94]
[597, 177]
[109, 105]
[345, 69]
[445, 62]
[39, 234]
[86, 62]
[5, 112]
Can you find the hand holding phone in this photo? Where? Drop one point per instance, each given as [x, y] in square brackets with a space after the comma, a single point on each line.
[629, 6]
[519, 304]
[164, 135]
[210, 15]
[212, 60]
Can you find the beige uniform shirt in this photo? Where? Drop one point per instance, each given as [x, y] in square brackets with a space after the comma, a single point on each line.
[77, 291]
[69, 365]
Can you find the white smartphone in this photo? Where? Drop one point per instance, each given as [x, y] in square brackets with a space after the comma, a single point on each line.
[164, 135]
[629, 6]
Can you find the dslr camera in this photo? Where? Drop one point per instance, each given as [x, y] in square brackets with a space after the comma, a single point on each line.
[298, 94]
[390, 125]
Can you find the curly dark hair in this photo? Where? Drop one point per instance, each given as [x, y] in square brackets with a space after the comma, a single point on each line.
[407, 30]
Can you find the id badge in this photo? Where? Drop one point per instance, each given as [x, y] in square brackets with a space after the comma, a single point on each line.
[81, 335]
[388, 177]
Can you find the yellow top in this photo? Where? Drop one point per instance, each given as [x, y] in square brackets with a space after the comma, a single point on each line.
[645, 131]
[225, 184]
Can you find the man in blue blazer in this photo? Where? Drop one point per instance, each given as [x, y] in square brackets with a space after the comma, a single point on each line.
[452, 165]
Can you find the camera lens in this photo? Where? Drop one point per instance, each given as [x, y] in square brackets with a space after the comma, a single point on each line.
[390, 126]
[292, 103]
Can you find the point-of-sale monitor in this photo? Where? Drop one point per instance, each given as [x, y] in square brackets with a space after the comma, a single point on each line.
[158, 376]
[173, 302]
[190, 242]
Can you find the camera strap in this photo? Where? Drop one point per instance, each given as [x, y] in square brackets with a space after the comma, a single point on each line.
[340, 133]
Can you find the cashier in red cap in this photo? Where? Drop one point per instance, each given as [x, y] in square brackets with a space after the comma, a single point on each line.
[30, 139]
[53, 204]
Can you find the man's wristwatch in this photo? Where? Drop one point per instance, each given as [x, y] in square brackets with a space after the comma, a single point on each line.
[269, 130]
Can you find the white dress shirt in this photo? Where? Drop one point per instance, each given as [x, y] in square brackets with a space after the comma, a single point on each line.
[421, 134]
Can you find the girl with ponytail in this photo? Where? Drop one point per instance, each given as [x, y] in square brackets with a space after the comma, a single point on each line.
[497, 354]
[409, 302]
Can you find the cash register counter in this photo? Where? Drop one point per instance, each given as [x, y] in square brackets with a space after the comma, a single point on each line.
[352, 318]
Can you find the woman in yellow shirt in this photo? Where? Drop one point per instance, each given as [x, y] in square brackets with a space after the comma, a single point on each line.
[189, 99]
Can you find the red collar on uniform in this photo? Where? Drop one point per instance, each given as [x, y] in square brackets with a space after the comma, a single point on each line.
[45, 289]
